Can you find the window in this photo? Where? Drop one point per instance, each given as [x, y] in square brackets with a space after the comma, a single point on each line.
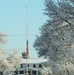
[39, 73]
[28, 65]
[40, 66]
[1, 73]
[34, 65]
[28, 72]
[16, 72]
[34, 72]
[21, 65]
[21, 72]
[45, 65]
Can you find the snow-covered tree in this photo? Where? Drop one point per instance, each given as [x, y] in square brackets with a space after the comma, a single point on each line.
[8, 61]
[13, 59]
[3, 41]
[56, 39]
[46, 71]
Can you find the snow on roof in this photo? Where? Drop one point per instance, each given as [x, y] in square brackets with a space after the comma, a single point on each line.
[33, 60]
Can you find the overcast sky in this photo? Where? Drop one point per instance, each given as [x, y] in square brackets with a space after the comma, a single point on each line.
[13, 22]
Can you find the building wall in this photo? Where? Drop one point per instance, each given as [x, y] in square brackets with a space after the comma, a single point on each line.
[32, 68]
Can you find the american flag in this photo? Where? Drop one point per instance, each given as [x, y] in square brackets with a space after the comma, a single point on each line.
[27, 52]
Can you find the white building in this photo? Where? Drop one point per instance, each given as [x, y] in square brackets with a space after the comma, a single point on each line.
[34, 66]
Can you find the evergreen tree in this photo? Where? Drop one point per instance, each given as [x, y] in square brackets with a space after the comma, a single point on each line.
[24, 55]
[56, 39]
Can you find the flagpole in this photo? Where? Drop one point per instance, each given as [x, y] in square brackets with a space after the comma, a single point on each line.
[26, 43]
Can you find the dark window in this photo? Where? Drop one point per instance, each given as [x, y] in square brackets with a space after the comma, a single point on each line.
[28, 72]
[21, 72]
[45, 65]
[40, 66]
[16, 72]
[21, 65]
[34, 72]
[39, 73]
[28, 65]
[34, 65]
[1, 73]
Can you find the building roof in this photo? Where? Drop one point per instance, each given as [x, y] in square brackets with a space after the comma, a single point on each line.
[33, 60]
